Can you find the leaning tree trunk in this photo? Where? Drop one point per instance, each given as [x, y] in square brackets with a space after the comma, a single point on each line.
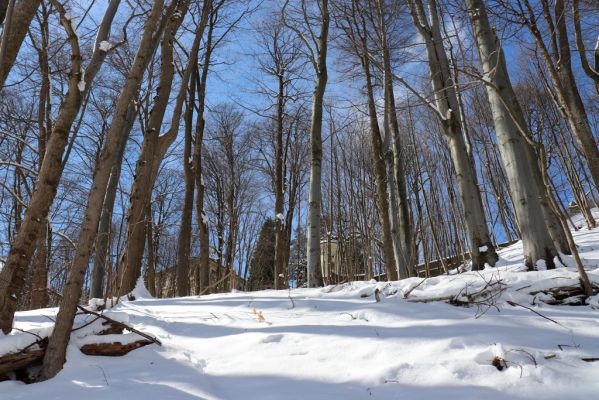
[154, 148]
[96, 289]
[559, 67]
[17, 23]
[12, 276]
[446, 100]
[3, 9]
[519, 166]
[122, 122]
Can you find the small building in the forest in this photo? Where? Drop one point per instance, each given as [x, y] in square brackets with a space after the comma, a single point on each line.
[329, 258]
[343, 260]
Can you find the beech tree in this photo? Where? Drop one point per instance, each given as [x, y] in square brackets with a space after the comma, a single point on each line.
[12, 276]
[519, 158]
[316, 46]
[553, 43]
[446, 106]
[121, 124]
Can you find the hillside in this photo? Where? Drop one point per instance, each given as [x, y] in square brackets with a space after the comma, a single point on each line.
[339, 343]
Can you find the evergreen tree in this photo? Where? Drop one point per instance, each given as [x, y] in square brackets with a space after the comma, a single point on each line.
[297, 259]
[263, 259]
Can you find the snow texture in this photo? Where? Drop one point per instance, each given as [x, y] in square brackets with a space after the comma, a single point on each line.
[140, 291]
[105, 46]
[337, 342]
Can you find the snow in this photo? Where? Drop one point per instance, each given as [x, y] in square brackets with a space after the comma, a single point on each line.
[81, 84]
[105, 46]
[140, 291]
[337, 342]
[483, 248]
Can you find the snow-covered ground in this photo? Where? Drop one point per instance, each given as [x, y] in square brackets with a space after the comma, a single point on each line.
[339, 343]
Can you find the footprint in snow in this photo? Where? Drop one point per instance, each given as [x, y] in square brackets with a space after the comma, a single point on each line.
[272, 339]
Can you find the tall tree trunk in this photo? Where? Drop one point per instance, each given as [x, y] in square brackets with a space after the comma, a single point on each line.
[280, 231]
[154, 147]
[380, 171]
[122, 122]
[404, 259]
[151, 272]
[39, 280]
[517, 160]
[18, 19]
[559, 67]
[483, 250]
[315, 195]
[96, 290]
[184, 245]
[203, 268]
[12, 276]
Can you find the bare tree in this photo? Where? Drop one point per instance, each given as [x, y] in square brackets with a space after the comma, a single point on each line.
[447, 108]
[547, 22]
[19, 15]
[279, 60]
[316, 46]
[121, 124]
[518, 156]
[12, 275]
[355, 27]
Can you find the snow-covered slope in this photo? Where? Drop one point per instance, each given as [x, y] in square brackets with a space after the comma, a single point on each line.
[339, 343]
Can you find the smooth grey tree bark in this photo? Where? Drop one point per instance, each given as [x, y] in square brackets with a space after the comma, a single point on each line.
[447, 108]
[318, 59]
[543, 26]
[516, 153]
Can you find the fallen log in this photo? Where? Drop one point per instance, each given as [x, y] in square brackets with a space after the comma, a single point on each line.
[18, 364]
[152, 339]
[111, 329]
[113, 349]
[15, 361]
[18, 361]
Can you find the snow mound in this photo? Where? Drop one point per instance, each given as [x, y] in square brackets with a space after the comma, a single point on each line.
[140, 291]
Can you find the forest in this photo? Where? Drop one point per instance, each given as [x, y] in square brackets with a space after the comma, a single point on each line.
[198, 147]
